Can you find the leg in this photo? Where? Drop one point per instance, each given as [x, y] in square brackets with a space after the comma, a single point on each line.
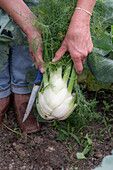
[5, 90]
[20, 64]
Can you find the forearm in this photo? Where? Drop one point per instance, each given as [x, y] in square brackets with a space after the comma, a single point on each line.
[20, 13]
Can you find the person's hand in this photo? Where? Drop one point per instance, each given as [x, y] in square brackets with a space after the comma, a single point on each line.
[77, 42]
[35, 48]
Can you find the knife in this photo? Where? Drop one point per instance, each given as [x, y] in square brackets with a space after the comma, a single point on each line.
[35, 89]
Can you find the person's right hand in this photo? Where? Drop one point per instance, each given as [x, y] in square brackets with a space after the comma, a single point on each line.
[77, 41]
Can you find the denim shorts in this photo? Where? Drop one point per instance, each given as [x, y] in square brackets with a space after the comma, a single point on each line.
[13, 77]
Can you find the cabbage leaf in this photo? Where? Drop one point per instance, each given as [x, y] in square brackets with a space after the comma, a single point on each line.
[100, 61]
[100, 65]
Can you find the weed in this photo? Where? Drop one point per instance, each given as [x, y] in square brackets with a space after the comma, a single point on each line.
[67, 133]
[86, 142]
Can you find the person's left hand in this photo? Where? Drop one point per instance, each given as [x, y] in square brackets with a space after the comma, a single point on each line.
[35, 48]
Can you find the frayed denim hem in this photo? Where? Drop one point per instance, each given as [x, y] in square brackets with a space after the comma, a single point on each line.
[20, 90]
[5, 93]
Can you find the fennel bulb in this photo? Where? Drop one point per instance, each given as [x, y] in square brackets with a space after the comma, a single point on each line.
[56, 101]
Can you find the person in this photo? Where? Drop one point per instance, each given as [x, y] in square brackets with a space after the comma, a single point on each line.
[77, 42]
[78, 38]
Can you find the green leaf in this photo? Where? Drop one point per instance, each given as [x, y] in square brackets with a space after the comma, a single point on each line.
[63, 131]
[88, 139]
[95, 85]
[61, 136]
[108, 20]
[103, 42]
[86, 149]
[100, 66]
[75, 137]
[80, 155]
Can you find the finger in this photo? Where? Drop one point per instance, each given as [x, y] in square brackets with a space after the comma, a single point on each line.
[32, 56]
[89, 45]
[61, 51]
[37, 58]
[78, 67]
[90, 48]
[77, 63]
[42, 68]
[83, 60]
[83, 51]
[39, 61]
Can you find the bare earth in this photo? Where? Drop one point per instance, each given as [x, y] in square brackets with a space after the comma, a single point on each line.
[42, 150]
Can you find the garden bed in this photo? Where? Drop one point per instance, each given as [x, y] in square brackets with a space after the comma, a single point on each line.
[43, 150]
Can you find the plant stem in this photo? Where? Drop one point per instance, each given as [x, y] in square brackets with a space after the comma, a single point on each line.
[45, 78]
[72, 80]
[67, 73]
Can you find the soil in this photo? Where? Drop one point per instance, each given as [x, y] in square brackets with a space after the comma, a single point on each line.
[42, 150]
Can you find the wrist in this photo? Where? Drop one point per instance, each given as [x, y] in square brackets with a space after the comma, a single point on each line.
[88, 12]
[28, 26]
[81, 16]
[33, 33]
[29, 30]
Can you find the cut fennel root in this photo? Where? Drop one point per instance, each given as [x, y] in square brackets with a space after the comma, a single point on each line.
[56, 100]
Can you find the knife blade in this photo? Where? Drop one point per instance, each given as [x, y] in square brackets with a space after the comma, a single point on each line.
[35, 89]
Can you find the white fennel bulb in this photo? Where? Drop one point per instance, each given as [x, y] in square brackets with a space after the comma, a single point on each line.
[55, 100]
